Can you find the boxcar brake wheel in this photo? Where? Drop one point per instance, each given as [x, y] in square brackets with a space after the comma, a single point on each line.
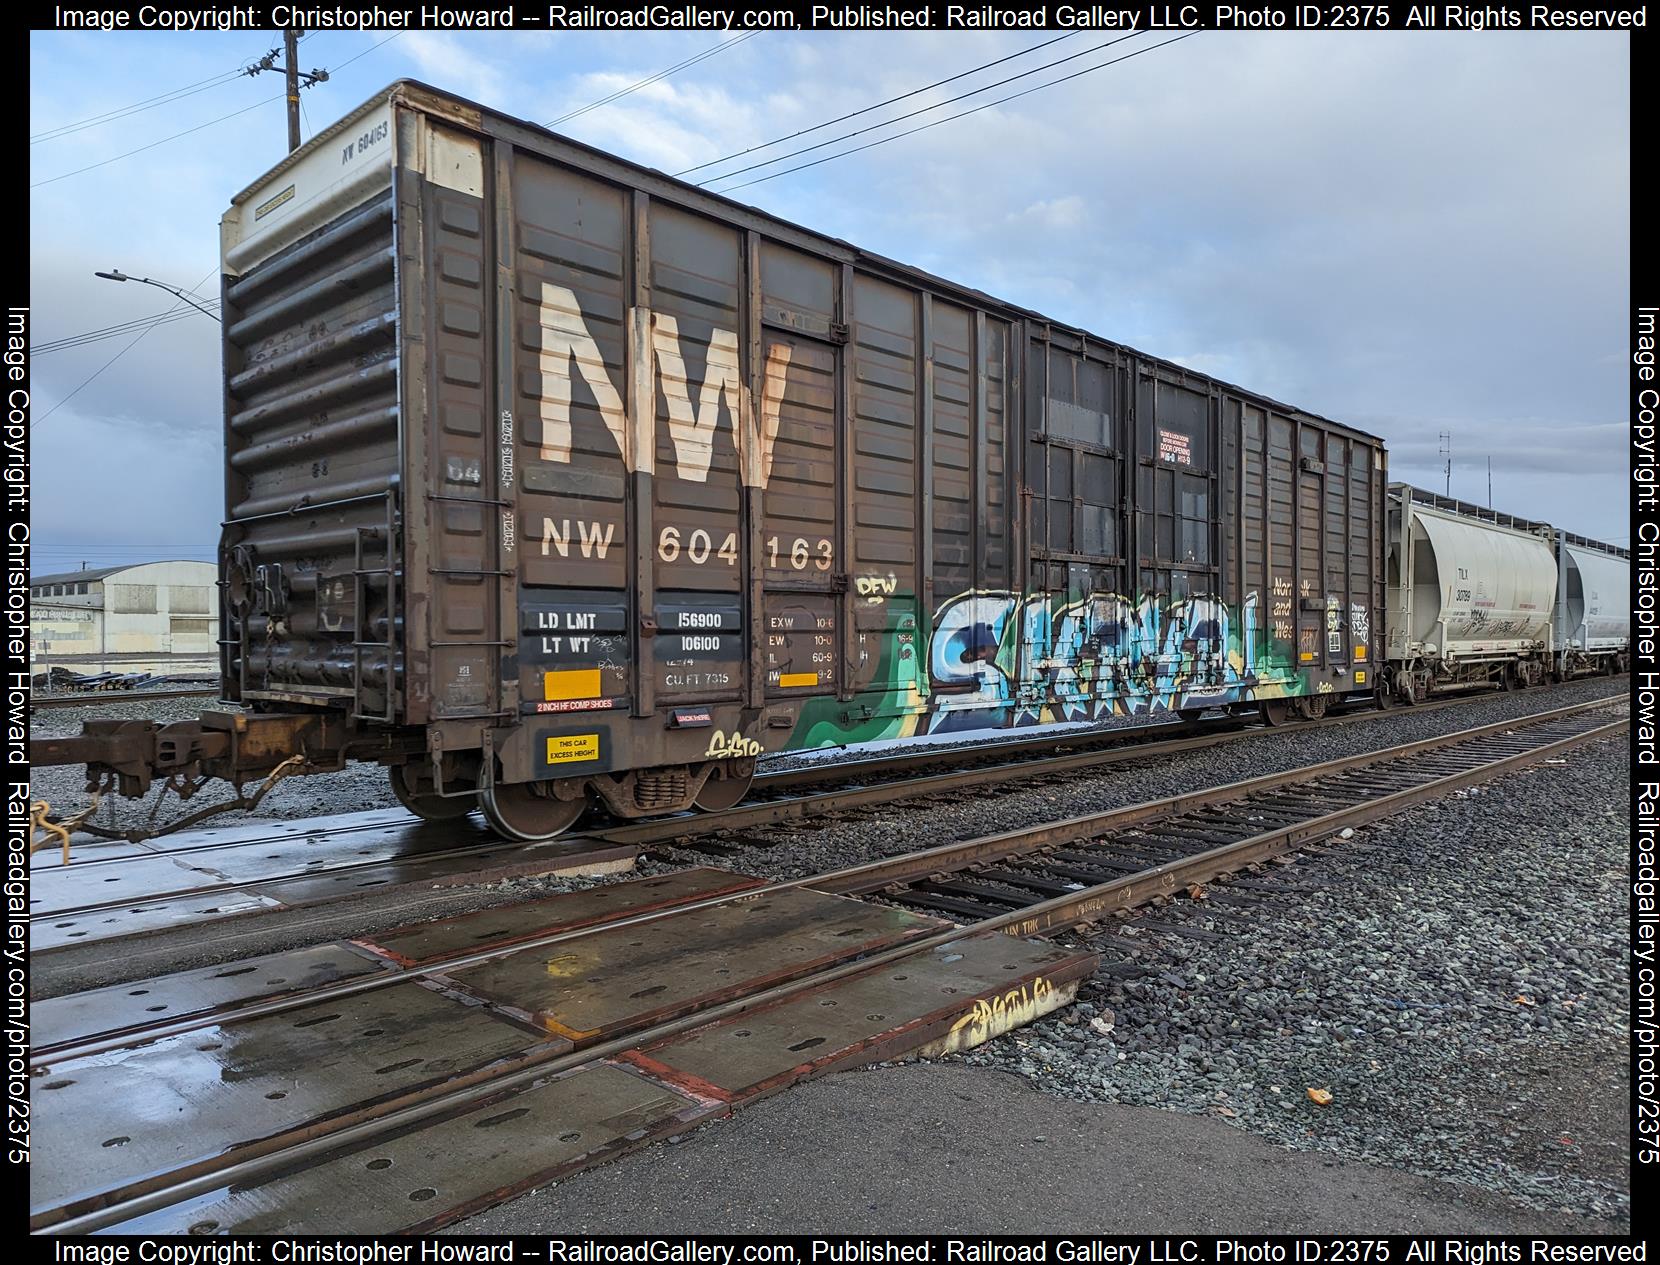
[518, 812]
[427, 807]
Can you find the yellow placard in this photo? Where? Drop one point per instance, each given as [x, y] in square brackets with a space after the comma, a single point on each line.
[1360, 678]
[572, 748]
[570, 683]
[1308, 656]
[1360, 652]
[788, 679]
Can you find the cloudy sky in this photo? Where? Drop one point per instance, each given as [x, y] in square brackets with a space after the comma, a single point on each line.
[1414, 233]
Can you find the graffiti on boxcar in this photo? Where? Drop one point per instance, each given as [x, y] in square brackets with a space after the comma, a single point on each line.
[997, 659]
[1360, 624]
[876, 589]
[1040, 659]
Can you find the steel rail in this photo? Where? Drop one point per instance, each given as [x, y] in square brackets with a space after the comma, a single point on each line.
[92, 698]
[1127, 743]
[1091, 903]
[264, 1158]
[874, 875]
[664, 831]
[852, 880]
[1130, 739]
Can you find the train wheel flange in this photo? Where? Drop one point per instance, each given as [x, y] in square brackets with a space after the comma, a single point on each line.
[725, 787]
[425, 805]
[519, 811]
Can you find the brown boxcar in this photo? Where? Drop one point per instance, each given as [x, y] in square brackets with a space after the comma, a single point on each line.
[558, 480]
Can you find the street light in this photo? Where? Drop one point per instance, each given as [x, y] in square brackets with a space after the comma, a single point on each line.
[118, 275]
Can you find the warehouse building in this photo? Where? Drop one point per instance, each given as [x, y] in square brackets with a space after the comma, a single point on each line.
[151, 608]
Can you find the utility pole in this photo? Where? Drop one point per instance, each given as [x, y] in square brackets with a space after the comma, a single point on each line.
[296, 79]
[290, 49]
[1489, 480]
[1446, 457]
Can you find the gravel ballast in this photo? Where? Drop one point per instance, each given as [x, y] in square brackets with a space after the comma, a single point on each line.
[1452, 977]
[796, 849]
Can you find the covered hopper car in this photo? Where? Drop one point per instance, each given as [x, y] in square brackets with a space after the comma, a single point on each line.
[553, 482]
[1478, 598]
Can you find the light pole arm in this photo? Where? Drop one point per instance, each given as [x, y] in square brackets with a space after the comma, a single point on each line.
[177, 292]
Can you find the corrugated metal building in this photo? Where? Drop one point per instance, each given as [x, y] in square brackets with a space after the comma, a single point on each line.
[169, 608]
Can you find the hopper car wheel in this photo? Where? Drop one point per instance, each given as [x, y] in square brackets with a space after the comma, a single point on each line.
[428, 807]
[1275, 712]
[518, 812]
[1512, 678]
[724, 789]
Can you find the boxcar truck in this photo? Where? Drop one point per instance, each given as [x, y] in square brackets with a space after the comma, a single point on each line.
[551, 481]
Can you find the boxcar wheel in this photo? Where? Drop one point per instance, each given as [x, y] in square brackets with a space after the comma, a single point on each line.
[428, 807]
[1275, 712]
[519, 812]
[724, 789]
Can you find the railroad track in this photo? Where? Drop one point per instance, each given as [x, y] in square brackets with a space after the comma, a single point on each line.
[743, 987]
[120, 890]
[92, 698]
[1086, 868]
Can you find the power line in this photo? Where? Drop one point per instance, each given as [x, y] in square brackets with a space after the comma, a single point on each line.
[651, 79]
[1025, 92]
[365, 52]
[210, 123]
[137, 107]
[938, 83]
[900, 118]
[115, 331]
[165, 99]
[87, 381]
[223, 118]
